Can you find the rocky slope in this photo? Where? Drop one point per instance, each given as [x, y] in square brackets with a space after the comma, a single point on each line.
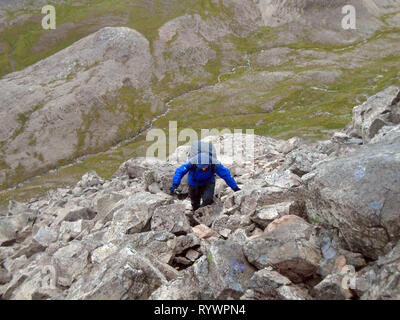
[262, 64]
[306, 213]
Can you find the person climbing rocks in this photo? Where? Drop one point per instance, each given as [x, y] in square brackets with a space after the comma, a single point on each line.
[202, 167]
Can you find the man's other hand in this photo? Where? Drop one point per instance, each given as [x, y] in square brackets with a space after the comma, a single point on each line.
[173, 188]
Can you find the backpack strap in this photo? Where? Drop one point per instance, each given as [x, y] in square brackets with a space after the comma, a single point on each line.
[199, 152]
[193, 168]
[209, 154]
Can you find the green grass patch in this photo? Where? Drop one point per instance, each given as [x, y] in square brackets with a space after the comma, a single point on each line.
[302, 109]
[23, 118]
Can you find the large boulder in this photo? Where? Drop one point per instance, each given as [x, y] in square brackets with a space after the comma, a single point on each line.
[289, 245]
[224, 272]
[359, 195]
[135, 214]
[171, 218]
[124, 275]
[207, 215]
[70, 262]
[160, 244]
[266, 215]
[45, 236]
[267, 284]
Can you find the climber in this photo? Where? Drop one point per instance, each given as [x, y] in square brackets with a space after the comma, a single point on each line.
[202, 167]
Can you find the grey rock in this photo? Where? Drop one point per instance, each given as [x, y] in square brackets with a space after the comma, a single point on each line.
[331, 289]
[16, 281]
[192, 255]
[5, 277]
[301, 160]
[70, 262]
[102, 253]
[14, 228]
[152, 171]
[270, 285]
[266, 215]
[135, 214]
[358, 194]
[90, 179]
[387, 135]
[17, 208]
[45, 236]
[184, 287]
[182, 261]
[231, 223]
[289, 245]
[382, 280]
[125, 275]
[160, 244]
[380, 110]
[71, 230]
[228, 271]
[73, 212]
[207, 215]
[171, 218]
[185, 242]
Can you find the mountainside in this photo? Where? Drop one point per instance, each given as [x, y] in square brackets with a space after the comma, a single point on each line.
[305, 214]
[285, 68]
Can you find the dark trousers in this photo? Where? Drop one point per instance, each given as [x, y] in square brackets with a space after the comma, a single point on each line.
[206, 193]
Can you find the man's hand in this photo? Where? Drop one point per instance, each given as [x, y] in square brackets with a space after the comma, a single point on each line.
[173, 188]
[237, 189]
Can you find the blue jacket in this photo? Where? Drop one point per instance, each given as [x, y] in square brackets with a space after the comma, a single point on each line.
[203, 177]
